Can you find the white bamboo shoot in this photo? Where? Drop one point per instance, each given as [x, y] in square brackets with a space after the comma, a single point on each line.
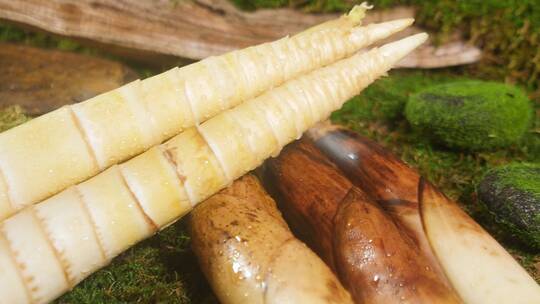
[48, 250]
[478, 267]
[69, 145]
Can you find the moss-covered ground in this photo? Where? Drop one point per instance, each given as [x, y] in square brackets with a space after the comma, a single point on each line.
[163, 269]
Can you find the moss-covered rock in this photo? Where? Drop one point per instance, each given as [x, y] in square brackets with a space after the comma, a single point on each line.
[471, 115]
[511, 194]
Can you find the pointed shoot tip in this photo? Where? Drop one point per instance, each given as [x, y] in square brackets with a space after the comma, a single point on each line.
[379, 31]
[396, 50]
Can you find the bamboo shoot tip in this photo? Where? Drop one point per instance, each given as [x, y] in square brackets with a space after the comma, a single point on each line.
[399, 49]
[379, 31]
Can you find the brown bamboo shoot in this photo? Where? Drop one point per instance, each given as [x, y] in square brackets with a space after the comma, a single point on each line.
[374, 259]
[479, 268]
[249, 255]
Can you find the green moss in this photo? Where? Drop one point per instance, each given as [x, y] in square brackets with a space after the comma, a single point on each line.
[511, 195]
[11, 117]
[385, 99]
[472, 115]
[525, 177]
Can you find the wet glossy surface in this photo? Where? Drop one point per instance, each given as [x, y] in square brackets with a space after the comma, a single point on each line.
[393, 184]
[249, 255]
[375, 259]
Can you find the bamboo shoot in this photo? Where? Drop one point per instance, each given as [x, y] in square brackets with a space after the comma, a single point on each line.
[376, 261]
[69, 145]
[249, 255]
[479, 268]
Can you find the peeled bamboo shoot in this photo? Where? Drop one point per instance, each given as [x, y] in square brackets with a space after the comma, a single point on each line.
[69, 145]
[249, 255]
[376, 261]
[479, 268]
[129, 202]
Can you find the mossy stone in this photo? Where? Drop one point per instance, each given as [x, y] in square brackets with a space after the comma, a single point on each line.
[511, 194]
[471, 115]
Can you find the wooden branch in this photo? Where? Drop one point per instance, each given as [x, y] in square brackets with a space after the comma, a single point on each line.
[193, 30]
